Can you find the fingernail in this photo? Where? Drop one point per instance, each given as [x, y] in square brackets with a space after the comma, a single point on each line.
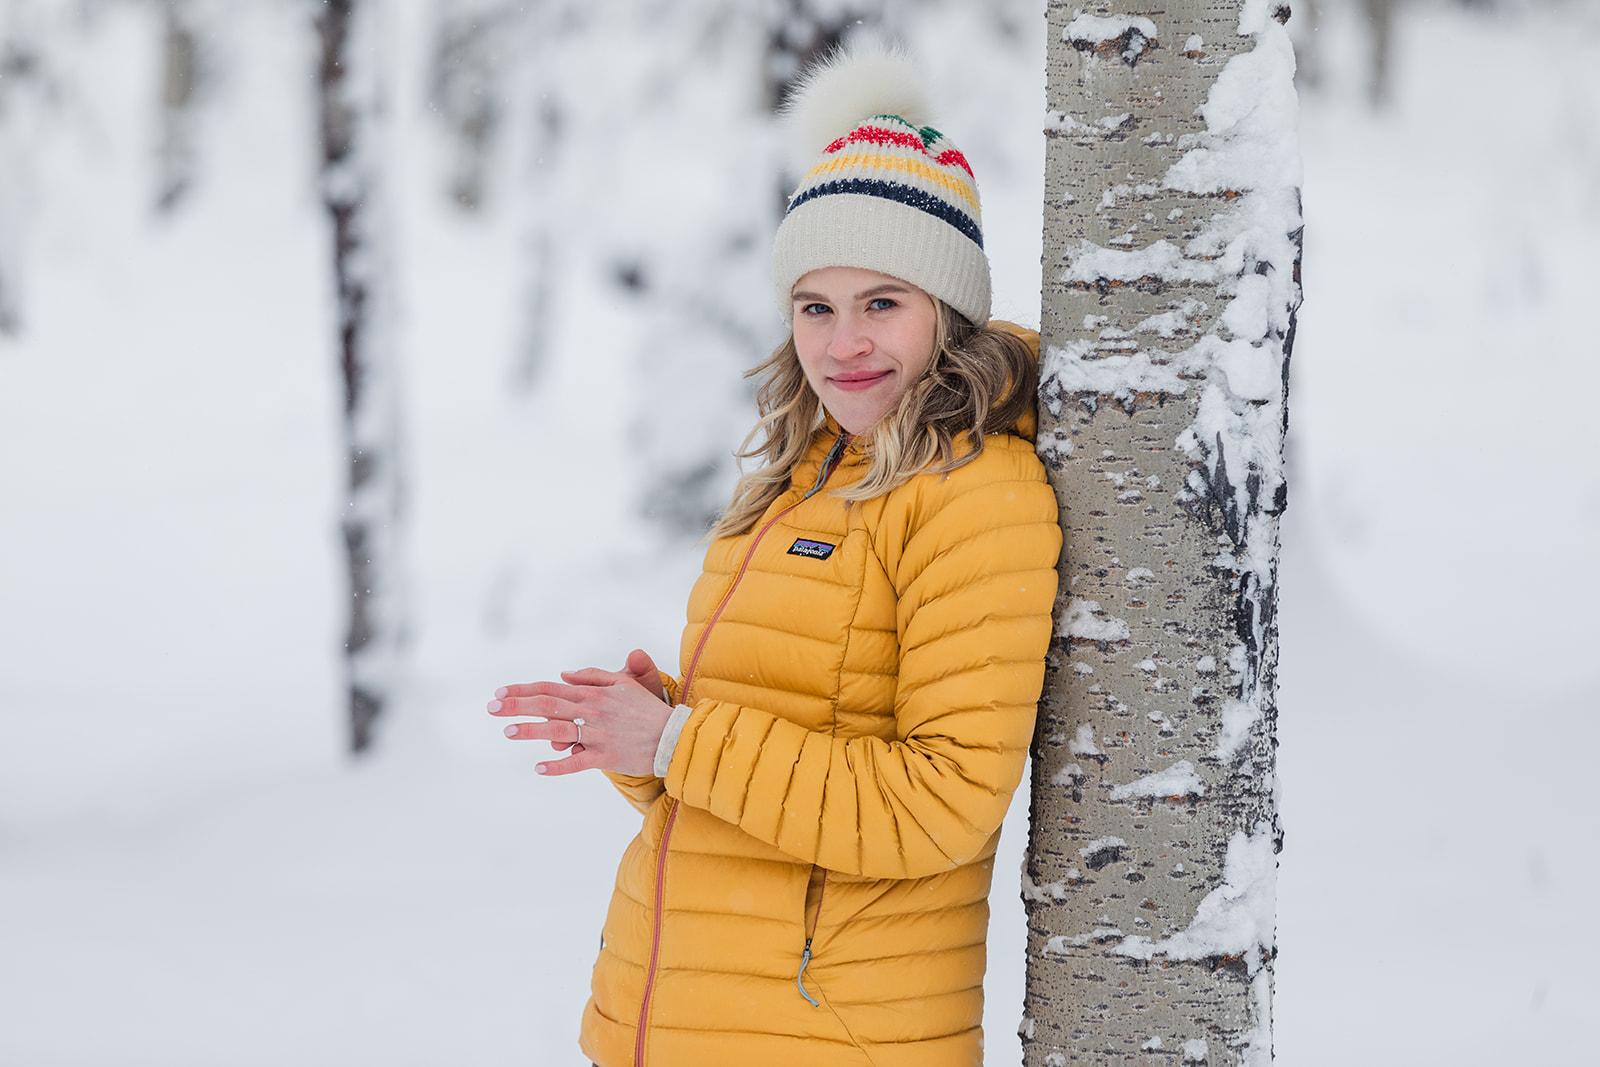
[511, 731]
[538, 768]
[500, 692]
[495, 705]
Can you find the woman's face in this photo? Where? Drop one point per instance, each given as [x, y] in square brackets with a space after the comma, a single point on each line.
[863, 338]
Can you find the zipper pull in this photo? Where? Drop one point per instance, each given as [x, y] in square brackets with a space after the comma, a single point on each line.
[829, 463]
[805, 958]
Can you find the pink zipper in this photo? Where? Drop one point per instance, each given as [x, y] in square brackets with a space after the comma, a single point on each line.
[655, 940]
[828, 466]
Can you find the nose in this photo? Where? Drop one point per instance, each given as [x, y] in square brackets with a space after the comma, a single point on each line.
[849, 340]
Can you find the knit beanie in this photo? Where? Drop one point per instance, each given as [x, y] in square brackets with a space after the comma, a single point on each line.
[889, 193]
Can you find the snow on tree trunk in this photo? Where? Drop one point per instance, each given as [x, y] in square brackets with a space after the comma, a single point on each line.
[179, 69]
[1171, 279]
[351, 109]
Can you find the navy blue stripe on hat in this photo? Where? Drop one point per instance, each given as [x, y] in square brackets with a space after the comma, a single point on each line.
[900, 194]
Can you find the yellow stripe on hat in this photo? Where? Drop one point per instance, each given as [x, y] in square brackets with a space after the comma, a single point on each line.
[904, 164]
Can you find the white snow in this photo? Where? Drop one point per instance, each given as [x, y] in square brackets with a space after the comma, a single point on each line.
[1178, 780]
[1086, 621]
[1238, 717]
[1059, 945]
[1054, 444]
[1096, 29]
[1169, 324]
[1061, 122]
[1256, 1049]
[1041, 893]
[1082, 743]
[1068, 775]
[1194, 1050]
[1236, 918]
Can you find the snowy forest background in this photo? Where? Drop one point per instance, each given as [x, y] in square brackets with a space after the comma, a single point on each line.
[576, 202]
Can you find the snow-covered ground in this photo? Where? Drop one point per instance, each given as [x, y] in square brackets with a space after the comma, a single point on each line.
[192, 874]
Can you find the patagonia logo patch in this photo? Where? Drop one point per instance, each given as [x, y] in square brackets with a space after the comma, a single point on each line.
[813, 549]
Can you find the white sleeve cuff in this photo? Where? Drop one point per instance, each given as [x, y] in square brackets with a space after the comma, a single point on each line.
[669, 739]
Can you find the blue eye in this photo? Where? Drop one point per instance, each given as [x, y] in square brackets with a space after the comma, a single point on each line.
[814, 309]
[882, 303]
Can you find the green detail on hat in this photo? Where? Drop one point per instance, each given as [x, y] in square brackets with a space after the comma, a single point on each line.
[927, 133]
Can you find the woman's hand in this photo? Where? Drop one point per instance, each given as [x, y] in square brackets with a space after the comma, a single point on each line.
[639, 665]
[622, 715]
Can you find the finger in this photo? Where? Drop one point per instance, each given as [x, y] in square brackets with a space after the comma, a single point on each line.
[640, 665]
[532, 689]
[554, 730]
[571, 765]
[592, 676]
[643, 669]
[558, 702]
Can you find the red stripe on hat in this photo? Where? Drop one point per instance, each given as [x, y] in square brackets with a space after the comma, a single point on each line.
[878, 135]
[951, 155]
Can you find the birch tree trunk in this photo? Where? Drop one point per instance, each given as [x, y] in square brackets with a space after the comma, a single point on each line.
[1171, 279]
[351, 109]
[468, 87]
[179, 71]
[539, 111]
[21, 71]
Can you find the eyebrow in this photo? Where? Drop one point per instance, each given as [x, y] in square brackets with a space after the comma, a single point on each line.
[876, 290]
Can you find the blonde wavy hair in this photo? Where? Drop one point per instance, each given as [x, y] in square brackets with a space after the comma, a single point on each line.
[981, 380]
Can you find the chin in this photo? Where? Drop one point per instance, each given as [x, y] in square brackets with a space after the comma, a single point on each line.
[857, 423]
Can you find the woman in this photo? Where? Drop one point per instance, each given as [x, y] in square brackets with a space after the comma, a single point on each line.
[824, 782]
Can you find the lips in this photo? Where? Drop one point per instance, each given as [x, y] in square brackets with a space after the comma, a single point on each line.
[858, 380]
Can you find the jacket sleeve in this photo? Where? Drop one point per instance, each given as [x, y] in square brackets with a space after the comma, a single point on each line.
[975, 575]
[641, 790]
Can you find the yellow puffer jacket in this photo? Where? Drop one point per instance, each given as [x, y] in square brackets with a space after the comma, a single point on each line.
[811, 883]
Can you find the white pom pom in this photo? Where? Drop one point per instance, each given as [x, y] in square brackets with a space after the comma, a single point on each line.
[849, 86]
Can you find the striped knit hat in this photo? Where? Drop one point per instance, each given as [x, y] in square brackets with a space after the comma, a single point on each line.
[888, 194]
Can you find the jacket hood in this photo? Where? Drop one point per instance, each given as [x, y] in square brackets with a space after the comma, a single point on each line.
[1027, 427]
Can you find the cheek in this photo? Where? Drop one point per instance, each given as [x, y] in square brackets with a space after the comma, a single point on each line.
[920, 347]
[810, 352]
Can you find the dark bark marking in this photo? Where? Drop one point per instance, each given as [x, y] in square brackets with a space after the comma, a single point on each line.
[1129, 46]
